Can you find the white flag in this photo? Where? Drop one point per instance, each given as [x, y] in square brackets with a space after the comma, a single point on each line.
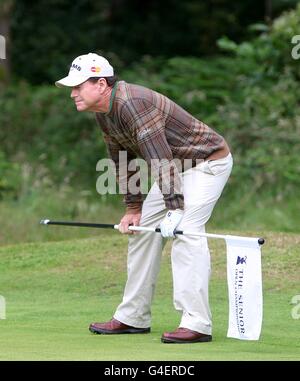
[244, 280]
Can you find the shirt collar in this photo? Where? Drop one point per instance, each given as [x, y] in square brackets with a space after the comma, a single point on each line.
[112, 97]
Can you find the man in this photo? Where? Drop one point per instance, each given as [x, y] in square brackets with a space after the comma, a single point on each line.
[147, 124]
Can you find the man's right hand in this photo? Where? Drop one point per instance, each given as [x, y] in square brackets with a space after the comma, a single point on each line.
[130, 218]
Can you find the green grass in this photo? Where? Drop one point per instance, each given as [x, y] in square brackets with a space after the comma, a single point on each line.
[19, 218]
[54, 290]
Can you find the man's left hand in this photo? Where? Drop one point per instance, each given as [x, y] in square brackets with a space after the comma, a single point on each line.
[170, 222]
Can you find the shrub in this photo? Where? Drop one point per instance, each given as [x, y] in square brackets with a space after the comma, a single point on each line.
[9, 178]
[41, 129]
[251, 97]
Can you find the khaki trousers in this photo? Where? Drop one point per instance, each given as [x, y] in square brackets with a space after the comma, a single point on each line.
[190, 257]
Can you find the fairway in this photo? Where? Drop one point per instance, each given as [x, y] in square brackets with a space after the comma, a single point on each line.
[53, 291]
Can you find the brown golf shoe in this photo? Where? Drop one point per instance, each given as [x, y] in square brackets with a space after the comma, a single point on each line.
[114, 326]
[185, 336]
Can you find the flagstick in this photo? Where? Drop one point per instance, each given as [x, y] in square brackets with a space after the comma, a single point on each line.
[260, 241]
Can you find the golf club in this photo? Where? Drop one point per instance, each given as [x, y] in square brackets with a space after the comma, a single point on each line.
[260, 241]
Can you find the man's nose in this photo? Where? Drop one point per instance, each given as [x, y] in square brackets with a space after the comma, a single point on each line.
[73, 93]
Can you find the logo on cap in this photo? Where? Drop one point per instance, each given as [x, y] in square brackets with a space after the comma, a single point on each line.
[95, 69]
[77, 67]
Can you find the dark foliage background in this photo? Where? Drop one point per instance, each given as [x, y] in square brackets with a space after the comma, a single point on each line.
[228, 63]
[47, 34]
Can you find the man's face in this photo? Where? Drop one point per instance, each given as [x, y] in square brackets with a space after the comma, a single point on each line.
[87, 96]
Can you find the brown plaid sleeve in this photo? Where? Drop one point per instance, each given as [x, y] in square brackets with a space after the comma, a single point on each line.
[133, 201]
[147, 126]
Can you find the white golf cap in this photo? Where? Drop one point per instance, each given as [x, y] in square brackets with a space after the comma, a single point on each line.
[84, 67]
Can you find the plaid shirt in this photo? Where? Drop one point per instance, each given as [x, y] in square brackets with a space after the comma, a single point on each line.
[149, 125]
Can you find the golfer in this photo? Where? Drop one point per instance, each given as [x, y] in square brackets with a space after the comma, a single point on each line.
[146, 124]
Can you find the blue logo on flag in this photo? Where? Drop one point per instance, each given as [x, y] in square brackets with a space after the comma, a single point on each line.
[241, 260]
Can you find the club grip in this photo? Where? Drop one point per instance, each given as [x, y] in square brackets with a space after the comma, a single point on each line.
[157, 230]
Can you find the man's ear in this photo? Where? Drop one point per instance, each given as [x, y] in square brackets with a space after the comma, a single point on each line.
[102, 84]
